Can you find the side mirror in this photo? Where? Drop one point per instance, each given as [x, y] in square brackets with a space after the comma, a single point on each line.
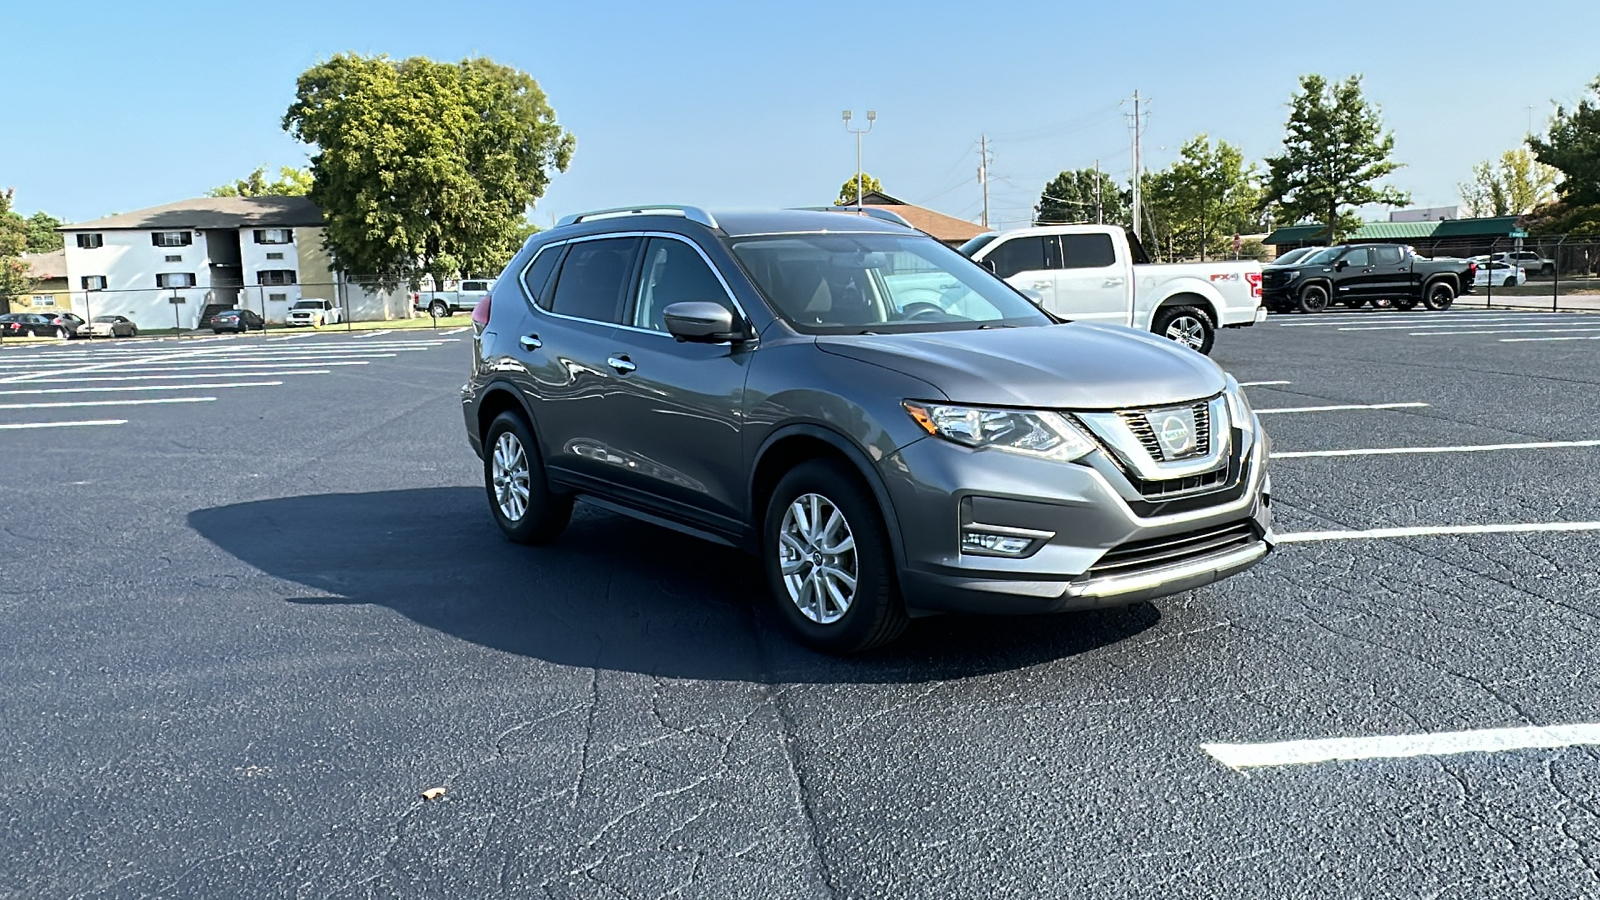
[1340, 266]
[987, 264]
[701, 322]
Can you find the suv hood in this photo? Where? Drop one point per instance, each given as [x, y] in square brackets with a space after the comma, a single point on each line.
[1077, 366]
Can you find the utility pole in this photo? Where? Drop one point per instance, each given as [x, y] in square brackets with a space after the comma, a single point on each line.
[1138, 173]
[983, 174]
[1099, 208]
[872, 116]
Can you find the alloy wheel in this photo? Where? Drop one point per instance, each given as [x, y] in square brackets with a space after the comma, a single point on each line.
[510, 477]
[1188, 331]
[817, 556]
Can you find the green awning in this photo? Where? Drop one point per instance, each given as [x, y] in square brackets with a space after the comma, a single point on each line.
[1489, 227]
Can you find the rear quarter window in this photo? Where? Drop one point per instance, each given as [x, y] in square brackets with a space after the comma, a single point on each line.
[536, 277]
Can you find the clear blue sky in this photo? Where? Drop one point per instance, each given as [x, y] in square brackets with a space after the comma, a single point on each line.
[113, 106]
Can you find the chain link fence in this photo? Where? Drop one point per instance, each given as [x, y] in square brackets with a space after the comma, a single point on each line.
[1553, 272]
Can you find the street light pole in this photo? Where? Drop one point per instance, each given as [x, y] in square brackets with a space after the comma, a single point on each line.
[872, 116]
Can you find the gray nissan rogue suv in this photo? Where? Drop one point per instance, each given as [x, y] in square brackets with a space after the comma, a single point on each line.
[890, 427]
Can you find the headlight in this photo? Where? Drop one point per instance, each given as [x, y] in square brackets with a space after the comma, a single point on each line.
[1244, 418]
[1290, 275]
[1043, 434]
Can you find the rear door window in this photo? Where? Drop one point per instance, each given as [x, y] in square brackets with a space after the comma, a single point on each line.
[1386, 256]
[1021, 254]
[1087, 251]
[592, 279]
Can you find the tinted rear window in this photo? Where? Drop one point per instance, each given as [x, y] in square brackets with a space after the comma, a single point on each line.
[592, 278]
[1087, 251]
[536, 279]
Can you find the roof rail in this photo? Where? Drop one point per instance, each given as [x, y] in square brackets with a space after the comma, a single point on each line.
[692, 213]
[872, 212]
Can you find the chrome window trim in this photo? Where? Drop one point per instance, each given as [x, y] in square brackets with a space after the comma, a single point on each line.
[522, 283]
[735, 238]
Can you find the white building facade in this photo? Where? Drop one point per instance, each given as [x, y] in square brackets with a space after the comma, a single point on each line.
[171, 266]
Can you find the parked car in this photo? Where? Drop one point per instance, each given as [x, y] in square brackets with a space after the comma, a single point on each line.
[1499, 274]
[315, 312]
[1525, 259]
[109, 326]
[63, 325]
[779, 381]
[237, 321]
[1356, 274]
[1290, 257]
[441, 304]
[1099, 273]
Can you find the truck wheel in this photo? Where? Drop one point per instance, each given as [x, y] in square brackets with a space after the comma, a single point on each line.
[440, 309]
[1440, 296]
[829, 566]
[519, 496]
[1188, 325]
[1313, 298]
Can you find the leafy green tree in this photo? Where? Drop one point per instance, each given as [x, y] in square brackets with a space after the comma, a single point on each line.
[1084, 195]
[291, 182]
[1572, 147]
[1513, 186]
[13, 243]
[1203, 199]
[42, 234]
[1335, 149]
[425, 167]
[847, 192]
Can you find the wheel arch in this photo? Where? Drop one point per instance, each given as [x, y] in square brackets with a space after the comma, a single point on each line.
[500, 397]
[1435, 278]
[1188, 292]
[792, 445]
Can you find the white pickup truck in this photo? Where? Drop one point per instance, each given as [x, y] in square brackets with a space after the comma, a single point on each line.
[1094, 273]
[442, 303]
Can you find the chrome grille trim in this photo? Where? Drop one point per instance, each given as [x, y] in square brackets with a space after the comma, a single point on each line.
[1173, 549]
[1138, 421]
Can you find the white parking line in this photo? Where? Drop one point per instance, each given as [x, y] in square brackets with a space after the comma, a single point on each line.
[1345, 321]
[145, 387]
[1465, 448]
[1468, 328]
[456, 330]
[205, 364]
[1402, 746]
[1522, 340]
[21, 425]
[176, 376]
[1261, 383]
[1301, 537]
[1503, 331]
[65, 404]
[373, 334]
[1345, 406]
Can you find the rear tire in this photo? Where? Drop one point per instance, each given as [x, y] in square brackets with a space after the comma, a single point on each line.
[1313, 298]
[873, 613]
[519, 494]
[63, 334]
[440, 309]
[1439, 296]
[1186, 325]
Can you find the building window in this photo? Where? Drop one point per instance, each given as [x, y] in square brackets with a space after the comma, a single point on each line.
[271, 256]
[93, 282]
[171, 238]
[275, 276]
[90, 241]
[278, 298]
[175, 280]
[175, 258]
[274, 236]
[43, 301]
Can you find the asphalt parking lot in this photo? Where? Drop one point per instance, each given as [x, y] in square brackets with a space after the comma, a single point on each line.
[247, 624]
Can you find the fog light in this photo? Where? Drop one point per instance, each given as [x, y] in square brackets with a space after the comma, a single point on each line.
[998, 544]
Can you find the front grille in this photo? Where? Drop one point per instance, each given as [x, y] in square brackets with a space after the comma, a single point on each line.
[1173, 549]
[1138, 421]
[1172, 487]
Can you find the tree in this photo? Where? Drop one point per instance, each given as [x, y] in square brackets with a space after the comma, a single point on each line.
[1084, 195]
[847, 191]
[425, 167]
[1334, 150]
[1513, 187]
[1203, 199]
[13, 243]
[1572, 147]
[291, 182]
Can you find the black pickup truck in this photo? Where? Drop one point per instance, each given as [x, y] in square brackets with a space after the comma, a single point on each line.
[1356, 274]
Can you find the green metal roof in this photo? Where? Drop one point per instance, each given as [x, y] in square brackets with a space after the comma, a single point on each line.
[1494, 226]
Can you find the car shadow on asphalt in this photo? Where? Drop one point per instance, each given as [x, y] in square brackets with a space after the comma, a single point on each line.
[612, 592]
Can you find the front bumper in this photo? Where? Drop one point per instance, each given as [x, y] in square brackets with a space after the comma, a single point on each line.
[939, 489]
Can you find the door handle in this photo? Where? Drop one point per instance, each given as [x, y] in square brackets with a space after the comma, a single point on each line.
[1041, 285]
[1113, 282]
[622, 364]
[530, 342]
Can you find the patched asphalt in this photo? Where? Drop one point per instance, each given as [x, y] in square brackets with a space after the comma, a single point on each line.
[241, 638]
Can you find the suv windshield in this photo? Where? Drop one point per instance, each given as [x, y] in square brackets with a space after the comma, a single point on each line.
[854, 283]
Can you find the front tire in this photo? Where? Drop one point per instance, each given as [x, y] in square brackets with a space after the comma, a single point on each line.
[1313, 298]
[519, 495]
[63, 334]
[1439, 297]
[829, 565]
[1187, 325]
[440, 310]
